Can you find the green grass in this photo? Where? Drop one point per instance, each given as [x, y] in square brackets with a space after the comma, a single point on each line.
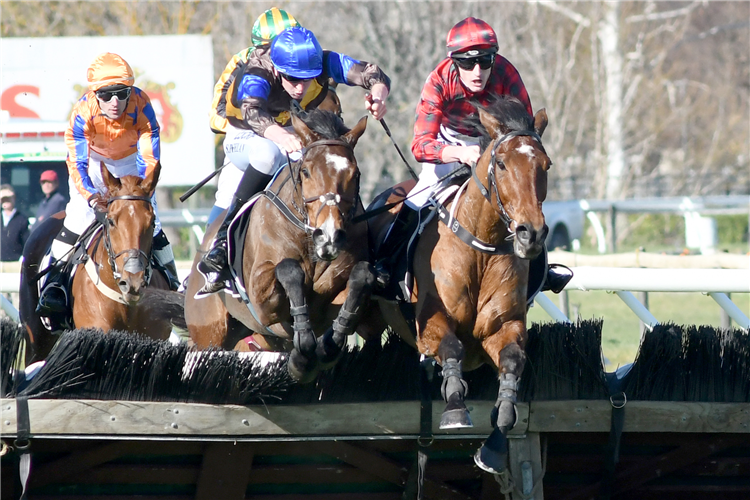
[621, 333]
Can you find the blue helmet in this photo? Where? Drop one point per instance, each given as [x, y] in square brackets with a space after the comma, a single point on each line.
[296, 52]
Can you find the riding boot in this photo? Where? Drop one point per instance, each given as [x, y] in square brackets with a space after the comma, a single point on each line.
[164, 257]
[54, 299]
[403, 227]
[557, 278]
[214, 265]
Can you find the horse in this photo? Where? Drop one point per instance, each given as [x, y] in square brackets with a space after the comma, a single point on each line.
[304, 273]
[471, 268]
[114, 286]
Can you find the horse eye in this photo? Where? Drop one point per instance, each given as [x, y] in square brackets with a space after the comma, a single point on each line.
[500, 164]
[305, 172]
[110, 222]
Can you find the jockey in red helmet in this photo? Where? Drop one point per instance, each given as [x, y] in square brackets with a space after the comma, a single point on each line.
[292, 71]
[472, 73]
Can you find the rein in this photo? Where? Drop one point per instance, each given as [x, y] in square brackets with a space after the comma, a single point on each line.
[132, 253]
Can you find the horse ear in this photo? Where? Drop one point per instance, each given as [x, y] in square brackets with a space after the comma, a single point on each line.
[303, 131]
[490, 123]
[354, 134]
[109, 180]
[540, 121]
[149, 183]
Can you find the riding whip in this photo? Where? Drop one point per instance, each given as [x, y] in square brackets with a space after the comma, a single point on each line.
[195, 188]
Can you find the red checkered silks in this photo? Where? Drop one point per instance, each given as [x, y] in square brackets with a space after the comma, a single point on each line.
[444, 101]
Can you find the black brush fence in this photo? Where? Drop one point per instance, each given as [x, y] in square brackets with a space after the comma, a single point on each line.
[691, 363]
[11, 342]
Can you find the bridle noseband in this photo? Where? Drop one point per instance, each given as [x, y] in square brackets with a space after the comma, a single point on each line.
[133, 262]
[492, 180]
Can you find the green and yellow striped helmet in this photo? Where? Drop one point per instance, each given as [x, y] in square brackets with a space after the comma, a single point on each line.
[271, 23]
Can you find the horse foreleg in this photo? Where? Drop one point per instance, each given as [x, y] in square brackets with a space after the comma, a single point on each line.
[510, 359]
[302, 362]
[454, 388]
[361, 281]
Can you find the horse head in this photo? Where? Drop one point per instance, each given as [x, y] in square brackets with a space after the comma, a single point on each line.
[516, 165]
[328, 178]
[129, 230]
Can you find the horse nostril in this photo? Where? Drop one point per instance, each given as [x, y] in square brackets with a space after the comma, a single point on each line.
[339, 238]
[524, 234]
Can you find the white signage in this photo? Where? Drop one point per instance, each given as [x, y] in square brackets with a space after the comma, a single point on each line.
[42, 78]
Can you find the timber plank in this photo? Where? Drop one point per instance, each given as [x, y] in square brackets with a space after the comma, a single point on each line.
[115, 418]
[225, 471]
[640, 416]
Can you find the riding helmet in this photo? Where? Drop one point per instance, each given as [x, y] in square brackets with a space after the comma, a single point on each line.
[109, 69]
[471, 33]
[271, 23]
[297, 53]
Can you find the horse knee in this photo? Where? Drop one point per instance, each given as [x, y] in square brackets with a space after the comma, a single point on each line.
[512, 359]
[290, 275]
[362, 275]
[451, 348]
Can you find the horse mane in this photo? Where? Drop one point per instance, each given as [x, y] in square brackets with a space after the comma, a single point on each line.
[509, 111]
[324, 123]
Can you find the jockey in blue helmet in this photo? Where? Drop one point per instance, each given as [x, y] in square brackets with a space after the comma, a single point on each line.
[293, 71]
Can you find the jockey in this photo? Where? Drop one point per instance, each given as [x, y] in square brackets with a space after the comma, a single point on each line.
[293, 71]
[472, 72]
[112, 123]
[266, 27]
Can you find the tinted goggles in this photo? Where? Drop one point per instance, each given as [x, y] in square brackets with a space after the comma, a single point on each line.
[294, 80]
[107, 95]
[484, 61]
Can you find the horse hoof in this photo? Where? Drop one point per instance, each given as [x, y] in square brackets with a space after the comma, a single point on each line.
[302, 369]
[492, 457]
[326, 357]
[456, 419]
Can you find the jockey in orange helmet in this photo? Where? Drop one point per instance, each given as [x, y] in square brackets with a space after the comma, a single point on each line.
[115, 124]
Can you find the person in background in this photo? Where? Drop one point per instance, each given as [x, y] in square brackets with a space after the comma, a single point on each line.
[269, 24]
[15, 226]
[53, 201]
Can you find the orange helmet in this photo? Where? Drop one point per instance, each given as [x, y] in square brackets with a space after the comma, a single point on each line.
[109, 69]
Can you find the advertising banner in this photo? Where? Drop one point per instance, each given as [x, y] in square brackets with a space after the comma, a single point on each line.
[42, 78]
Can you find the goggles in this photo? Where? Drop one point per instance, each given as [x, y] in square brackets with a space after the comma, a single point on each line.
[294, 80]
[484, 61]
[107, 95]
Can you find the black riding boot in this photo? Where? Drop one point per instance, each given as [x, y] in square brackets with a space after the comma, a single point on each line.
[214, 265]
[403, 227]
[53, 299]
[558, 277]
[164, 257]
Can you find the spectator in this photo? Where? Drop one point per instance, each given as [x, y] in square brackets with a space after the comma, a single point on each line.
[53, 201]
[15, 226]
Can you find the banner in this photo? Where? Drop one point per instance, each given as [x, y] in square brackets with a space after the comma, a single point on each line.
[42, 78]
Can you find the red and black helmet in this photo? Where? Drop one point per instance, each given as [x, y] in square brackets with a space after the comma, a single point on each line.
[471, 33]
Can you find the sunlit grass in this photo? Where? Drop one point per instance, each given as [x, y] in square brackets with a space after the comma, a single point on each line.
[621, 331]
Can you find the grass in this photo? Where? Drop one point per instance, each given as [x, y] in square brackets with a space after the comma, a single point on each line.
[621, 330]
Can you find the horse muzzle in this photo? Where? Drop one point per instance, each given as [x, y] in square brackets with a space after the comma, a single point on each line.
[328, 244]
[529, 242]
[133, 280]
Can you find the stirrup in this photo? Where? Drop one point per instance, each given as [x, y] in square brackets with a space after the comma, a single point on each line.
[210, 288]
[382, 274]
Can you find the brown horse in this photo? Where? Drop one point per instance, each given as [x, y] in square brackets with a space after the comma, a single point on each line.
[470, 304]
[114, 286]
[302, 266]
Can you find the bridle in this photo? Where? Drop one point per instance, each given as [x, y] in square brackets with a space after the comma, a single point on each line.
[136, 260]
[328, 199]
[492, 179]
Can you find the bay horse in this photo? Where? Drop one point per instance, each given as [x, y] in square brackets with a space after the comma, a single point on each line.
[304, 271]
[114, 286]
[469, 296]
